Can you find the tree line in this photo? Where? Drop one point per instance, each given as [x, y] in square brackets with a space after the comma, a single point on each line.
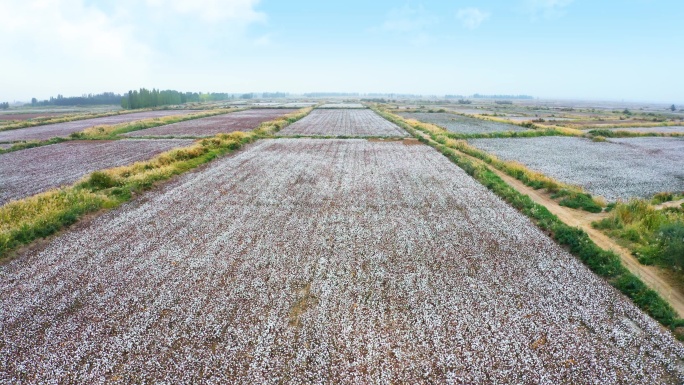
[89, 99]
[4, 105]
[145, 98]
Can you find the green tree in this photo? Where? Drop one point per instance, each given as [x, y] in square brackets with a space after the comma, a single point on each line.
[673, 108]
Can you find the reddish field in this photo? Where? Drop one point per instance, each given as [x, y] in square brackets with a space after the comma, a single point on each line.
[64, 129]
[31, 116]
[28, 172]
[343, 122]
[236, 121]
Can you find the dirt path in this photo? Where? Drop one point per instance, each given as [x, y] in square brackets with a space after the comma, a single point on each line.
[652, 276]
[669, 204]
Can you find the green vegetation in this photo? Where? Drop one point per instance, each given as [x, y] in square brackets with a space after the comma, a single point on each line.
[60, 119]
[31, 144]
[571, 196]
[4, 105]
[623, 134]
[655, 236]
[604, 263]
[113, 131]
[85, 100]
[155, 98]
[26, 220]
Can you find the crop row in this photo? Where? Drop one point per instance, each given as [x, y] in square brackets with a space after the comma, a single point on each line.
[307, 261]
[343, 122]
[236, 121]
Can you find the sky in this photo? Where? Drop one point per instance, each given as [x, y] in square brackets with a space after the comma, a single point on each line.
[628, 50]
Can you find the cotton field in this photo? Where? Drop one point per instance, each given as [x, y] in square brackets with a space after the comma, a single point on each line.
[64, 129]
[31, 171]
[461, 124]
[320, 261]
[616, 169]
[220, 124]
[659, 129]
[343, 122]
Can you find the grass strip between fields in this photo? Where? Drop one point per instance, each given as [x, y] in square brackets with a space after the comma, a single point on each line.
[110, 132]
[65, 118]
[655, 237]
[570, 196]
[28, 219]
[603, 263]
[543, 128]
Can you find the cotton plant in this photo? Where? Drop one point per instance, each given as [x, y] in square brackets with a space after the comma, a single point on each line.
[320, 261]
[620, 168]
[35, 170]
[343, 122]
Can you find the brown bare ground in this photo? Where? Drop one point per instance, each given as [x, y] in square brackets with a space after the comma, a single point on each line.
[669, 204]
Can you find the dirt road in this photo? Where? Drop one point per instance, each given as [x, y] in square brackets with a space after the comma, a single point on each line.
[651, 275]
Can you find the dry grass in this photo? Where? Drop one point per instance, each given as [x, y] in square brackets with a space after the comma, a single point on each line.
[38, 216]
[110, 131]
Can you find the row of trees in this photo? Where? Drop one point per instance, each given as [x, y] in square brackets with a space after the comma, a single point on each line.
[4, 105]
[89, 99]
[145, 98]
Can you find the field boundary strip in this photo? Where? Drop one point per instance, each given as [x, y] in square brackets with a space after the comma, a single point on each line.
[567, 195]
[533, 131]
[113, 132]
[69, 118]
[26, 220]
[538, 124]
[605, 264]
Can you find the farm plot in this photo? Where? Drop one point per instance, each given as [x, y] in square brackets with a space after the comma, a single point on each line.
[236, 121]
[320, 261]
[27, 116]
[28, 172]
[660, 129]
[342, 105]
[64, 129]
[461, 124]
[343, 122]
[616, 169]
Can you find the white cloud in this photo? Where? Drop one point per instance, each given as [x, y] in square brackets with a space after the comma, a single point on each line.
[82, 46]
[407, 19]
[548, 9]
[64, 45]
[471, 17]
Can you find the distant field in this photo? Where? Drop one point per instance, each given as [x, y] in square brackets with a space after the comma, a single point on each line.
[662, 129]
[343, 122]
[235, 121]
[321, 261]
[461, 124]
[618, 168]
[31, 171]
[343, 105]
[28, 116]
[64, 129]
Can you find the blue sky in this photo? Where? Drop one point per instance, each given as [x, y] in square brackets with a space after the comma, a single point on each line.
[611, 50]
